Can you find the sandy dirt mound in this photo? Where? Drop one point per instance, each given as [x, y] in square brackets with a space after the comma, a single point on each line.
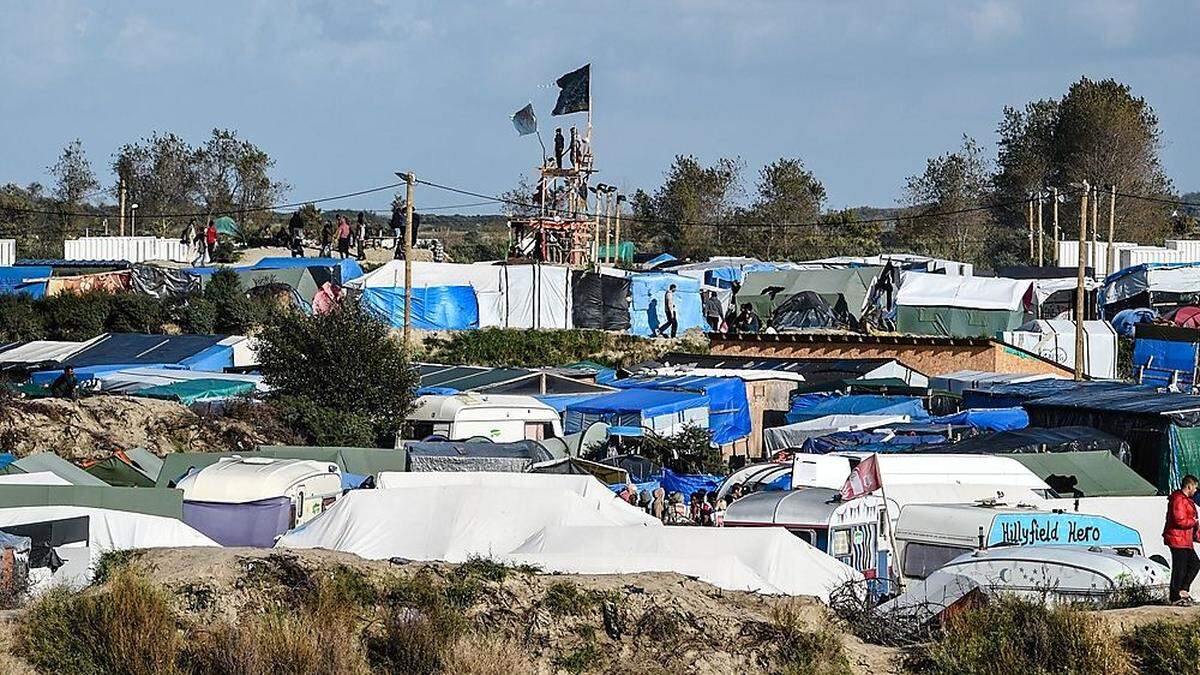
[654, 622]
[97, 425]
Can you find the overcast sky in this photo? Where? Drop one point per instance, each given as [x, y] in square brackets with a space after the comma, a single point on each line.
[344, 92]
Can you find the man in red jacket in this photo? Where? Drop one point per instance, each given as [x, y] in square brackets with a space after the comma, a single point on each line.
[1179, 534]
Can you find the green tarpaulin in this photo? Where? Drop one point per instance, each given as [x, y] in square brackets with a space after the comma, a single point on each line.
[228, 227]
[956, 321]
[844, 289]
[360, 461]
[197, 391]
[151, 501]
[618, 252]
[1097, 473]
[48, 461]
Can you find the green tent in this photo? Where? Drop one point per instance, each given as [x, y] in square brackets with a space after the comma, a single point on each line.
[298, 278]
[48, 461]
[188, 392]
[151, 501]
[957, 321]
[844, 289]
[618, 252]
[228, 227]
[360, 461]
[1097, 473]
[135, 468]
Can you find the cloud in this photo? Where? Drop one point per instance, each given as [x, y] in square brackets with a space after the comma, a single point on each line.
[144, 44]
[994, 21]
[42, 40]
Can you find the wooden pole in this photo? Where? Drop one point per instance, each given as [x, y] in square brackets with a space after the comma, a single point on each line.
[617, 255]
[1029, 220]
[1041, 233]
[121, 190]
[1112, 226]
[409, 180]
[1057, 260]
[1080, 294]
[596, 231]
[1095, 231]
[608, 204]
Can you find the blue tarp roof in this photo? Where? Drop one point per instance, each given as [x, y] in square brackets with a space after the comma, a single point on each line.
[117, 351]
[348, 267]
[645, 402]
[659, 259]
[30, 281]
[992, 419]
[806, 408]
[728, 412]
[560, 401]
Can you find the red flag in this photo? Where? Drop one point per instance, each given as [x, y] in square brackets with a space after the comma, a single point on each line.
[864, 479]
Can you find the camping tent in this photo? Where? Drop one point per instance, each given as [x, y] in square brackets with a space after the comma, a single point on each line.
[451, 522]
[765, 560]
[1086, 474]
[728, 407]
[646, 311]
[629, 412]
[847, 291]
[336, 270]
[935, 304]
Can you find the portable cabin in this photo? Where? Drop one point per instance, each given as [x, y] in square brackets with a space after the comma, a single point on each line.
[496, 417]
[930, 535]
[850, 531]
[248, 501]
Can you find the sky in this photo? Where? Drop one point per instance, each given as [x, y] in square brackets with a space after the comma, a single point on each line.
[342, 93]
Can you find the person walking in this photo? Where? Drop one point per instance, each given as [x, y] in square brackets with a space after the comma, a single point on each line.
[210, 242]
[196, 239]
[326, 239]
[669, 308]
[343, 237]
[362, 235]
[1179, 534]
[712, 310]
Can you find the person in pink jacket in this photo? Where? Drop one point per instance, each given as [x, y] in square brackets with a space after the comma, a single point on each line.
[1179, 534]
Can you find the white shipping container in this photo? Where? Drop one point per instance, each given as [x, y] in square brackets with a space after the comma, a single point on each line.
[1068, 255]
[131, 249]
[1148, 254]
[1189, 249]
[8, 252]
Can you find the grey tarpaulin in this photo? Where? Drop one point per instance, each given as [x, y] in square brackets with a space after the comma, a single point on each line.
[599, 301]
[163, 283]
[470, 456]
[254, 523]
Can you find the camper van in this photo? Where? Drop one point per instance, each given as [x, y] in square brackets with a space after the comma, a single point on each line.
[850, 531]
[928, 536]
[495, 417]
[311, 486]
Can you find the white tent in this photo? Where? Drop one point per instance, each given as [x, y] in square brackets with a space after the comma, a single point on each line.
[1055, 340]
[587, 487]
[450, 522]
[108, 530]
[765, 560]
[35, 478]
[794, 435]
[918, 289]
[1152, 277]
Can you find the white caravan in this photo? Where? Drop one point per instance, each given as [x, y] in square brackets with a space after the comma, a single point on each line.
[497, 417]
[311, 486]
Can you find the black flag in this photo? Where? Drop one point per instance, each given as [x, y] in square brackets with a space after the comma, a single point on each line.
[576, 95]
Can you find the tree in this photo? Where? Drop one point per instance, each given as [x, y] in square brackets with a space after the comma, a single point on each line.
[952, 183]
[160, 176]
[519, 202]
[337, 371]
[787, 194]
[233, 177]
[685, 214]
[73, 184]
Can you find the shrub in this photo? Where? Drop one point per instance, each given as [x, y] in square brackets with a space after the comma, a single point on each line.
[233, 312]
[1165, 647]
[280, 642]
[344, 362]
[112, 562]
[1012, 635]
[564, 598]
[689, 451]
[19, 320]
[126, 627]
[135, 313]
[324, 426]
[799, 650]
[78, 317]
[474, 654]
[197, 314]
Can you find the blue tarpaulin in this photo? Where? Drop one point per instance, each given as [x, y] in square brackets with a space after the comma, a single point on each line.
[1165, 362]
[348, 268]
[646, 312]
[687, 483]
[1126, 319]
[630, 408]
[659, 259]
[434, 307]
[992, 419]
[804, 408]
[728, 411]
[29, 281]
[860, 440]
[560, 401]
[6, 459]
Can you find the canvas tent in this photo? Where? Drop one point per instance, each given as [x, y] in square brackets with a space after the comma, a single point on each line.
[632, 411]
[935, 304]
[135, 468]
[850, 292]
[764, 560]
[1086, 474]
[1151, 285]
[452, 522]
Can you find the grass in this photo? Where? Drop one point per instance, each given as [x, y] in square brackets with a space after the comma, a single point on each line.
[564, 598]
[1165, 647]
[111, 561]
[1011, 635]
[800, 650]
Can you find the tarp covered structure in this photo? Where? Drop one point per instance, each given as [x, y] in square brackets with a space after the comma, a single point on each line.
[255, 523]
[453, 522]
[151, 501]
[1094, 473]
[793, 436]
[599, 301]
[990, 419]
[846, 291]
[647, 291]
[936, 304]
[48, 461]
[630, 411]
[117, 351]
[1163, 356]
[341, 270]
[811, 407]
[764, 560]
[1149, 285]
[163, 282]
[728, 411]
[136, 380]
[1054, 339]
[474, 456]
[25, 280]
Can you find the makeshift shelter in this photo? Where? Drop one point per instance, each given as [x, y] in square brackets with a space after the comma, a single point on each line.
[1008, 394]
[522, 381]
[577, 466]
[640, 469]
[1055, 340]
[633, 411]
[1086, 474]
[139, 380]
[1153, 285]
[350, 461]
[600, 301]
[474, 456]
[810, 407]
[989, 419]
[794, 435]
[763, 560]
[150, 501]
[935, 304]
[118, 351]
[646, 311]
[201, 390]
[25, 280]
[960, 381]
[850, 293]
[136, 468]
[1163, 356]
[48, 461]
[453, 522]
[338, 271]
[22, 357]
[1162, 430]
[1034, 440]
[163, 282]
[720, 272]
[300, 285]
[728, 411]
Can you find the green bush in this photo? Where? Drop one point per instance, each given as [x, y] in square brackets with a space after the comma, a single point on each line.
[1011, 635]
[320, 425]
[418, 628]
[71, 316]
[518, 348]
[802, 651]
[346, 364]
[20, 320]
[233, 312]
[1165, 647]
[135, 313]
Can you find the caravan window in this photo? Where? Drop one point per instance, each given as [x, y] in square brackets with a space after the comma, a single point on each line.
[538, 431]
[417, 430]
[921, 560]
[809, 536]
[841, 543]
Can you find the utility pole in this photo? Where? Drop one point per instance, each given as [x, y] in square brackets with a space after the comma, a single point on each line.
[1080, 294]
[409, 180]
[121, 191]
[617, 256]
[1057, 260]
[1041, 231]
[608, 228]
[1096, 230]
[1029, 219]
[1112, 226]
